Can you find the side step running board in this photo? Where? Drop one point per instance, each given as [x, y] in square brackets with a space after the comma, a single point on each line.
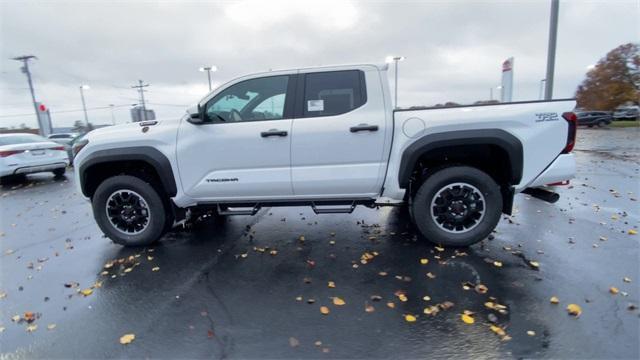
[542, 194]
[333, 209]
[225, 210]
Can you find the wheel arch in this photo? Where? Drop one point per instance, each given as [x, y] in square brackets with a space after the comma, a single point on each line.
[127, 160]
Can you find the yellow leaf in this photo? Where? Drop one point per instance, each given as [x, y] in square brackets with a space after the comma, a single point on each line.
[391, 305]
[155, 269]
[633, 232]
[127, 270]
[424, 261]
[574, 310]
[87, 292]
[331, 284]
[368, 308]
[32, 328]
[324, 310]
[554, 300]
[535, 264]
[410, 318]
[426, 298]
[614, 290]
[301, 238]
[337, 301]
[441, 249]
[498, 330]
[402, 297]
[468, 319]
[497, 263]
[127, 339]
[531, 333]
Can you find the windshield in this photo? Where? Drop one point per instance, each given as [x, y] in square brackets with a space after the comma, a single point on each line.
[21, 139]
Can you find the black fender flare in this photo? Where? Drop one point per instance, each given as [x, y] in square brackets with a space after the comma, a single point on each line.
[501, 138]
[148, 154]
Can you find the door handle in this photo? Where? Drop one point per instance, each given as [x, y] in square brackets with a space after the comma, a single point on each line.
[273, 132]
[363, 127]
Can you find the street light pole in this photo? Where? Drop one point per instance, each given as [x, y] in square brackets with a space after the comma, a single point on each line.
[209, 69]
[84, 105]
[551, 52]
[25, 69]
[542, 81]
[395, 59]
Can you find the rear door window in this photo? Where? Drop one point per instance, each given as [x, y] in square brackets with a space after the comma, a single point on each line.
[333, 93]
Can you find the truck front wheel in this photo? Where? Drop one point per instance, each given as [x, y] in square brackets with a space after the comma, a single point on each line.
[457, 206]
[129, 211]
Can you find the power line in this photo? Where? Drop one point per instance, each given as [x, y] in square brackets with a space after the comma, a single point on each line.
[67, 111]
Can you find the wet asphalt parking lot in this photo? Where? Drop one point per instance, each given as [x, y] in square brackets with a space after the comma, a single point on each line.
[255, 287]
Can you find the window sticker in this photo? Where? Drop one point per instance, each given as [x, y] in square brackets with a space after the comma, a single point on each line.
[315, 105]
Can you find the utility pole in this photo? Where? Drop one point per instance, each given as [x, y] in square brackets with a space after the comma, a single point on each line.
[25, 69]
[551, 52]
[140, 88]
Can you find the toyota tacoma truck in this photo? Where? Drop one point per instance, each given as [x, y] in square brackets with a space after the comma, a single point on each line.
[329, 138]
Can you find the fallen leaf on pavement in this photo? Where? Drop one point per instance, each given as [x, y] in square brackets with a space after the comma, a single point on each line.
[498, 330]
[331, 284]
[554, 300]
[155, 269]
[337, 301]
[293, 342]
[409, 318]
[633, 232]
[391, 305]
[467, 319]
[324, 310]
[87, 292]
[369, 308]
[531, 333]
[626, 279]
[51, 326]
[127, 339]
[424, 261]
[574, 310]
[614, 290]
[497, 263]
[481, 289]
[32, 328]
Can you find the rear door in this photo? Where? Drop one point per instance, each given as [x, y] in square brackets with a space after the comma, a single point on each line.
[338, 134]
[243, 151]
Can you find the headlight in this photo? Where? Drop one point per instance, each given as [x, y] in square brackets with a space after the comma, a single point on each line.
[79, 146]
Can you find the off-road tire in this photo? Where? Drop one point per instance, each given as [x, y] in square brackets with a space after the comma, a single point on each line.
[158, 214]
[427, 222]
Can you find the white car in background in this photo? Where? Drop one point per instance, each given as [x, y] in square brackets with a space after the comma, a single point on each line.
[24, 153]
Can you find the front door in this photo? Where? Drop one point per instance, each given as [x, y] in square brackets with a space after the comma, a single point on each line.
[242, 151]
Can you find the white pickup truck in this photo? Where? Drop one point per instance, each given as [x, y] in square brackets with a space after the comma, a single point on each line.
[327, 137]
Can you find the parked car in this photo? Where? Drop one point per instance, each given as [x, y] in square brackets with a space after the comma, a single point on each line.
[65, 139]
[627, 113]
[22, 154]
[329, 138]
[594, 118]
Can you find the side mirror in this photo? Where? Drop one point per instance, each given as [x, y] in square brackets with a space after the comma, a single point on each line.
[196, 115]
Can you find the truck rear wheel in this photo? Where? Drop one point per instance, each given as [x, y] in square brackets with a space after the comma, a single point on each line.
[457, 206]
[129, 211]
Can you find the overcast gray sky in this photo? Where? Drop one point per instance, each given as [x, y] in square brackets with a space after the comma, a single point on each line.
[453, 49]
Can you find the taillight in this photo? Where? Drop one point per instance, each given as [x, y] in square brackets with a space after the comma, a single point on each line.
[572, 119]
[5, 153]
[61, 148]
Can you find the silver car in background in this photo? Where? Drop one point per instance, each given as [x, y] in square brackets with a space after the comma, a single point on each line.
[24, 153]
